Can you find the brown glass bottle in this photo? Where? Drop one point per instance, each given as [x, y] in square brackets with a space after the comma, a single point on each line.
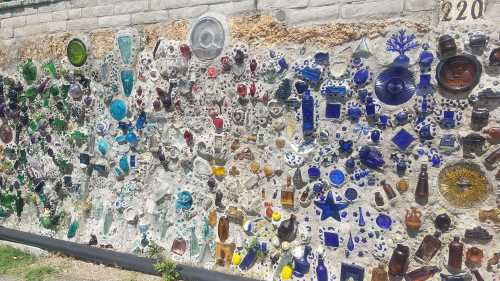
[493, 132]
[422, 190]
[379, 273]
[379, 200]
[422, 274]
[398, 265]
[456, 253]
[429, 247]
[389, 190]
[288, 194]
[223, 229]
[492, 158]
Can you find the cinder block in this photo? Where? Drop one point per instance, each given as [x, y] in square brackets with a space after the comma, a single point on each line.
[174, 4]
[420, 5]
[56, 26]
[277, 4]
[149, 17]
[233, 8]
[60, 15]
[5, 14]
[372, 9]
[131, 7]
[188, 12]
[74, 13]
[312, 15]
[98, 11]
[82, 24]
[83, 3]
[111, 21]
[6, 33]
[493, 12]
[30, 30]
[13, 22]
[319, 3]
[40, 18]
[52, 7]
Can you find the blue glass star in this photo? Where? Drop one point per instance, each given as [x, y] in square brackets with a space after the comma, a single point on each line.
[329, 208]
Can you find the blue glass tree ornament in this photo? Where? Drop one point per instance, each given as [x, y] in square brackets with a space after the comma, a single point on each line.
[383, 221]
[284, 90]
[307, 113]
[249, 259]
[141, 121]
[371, 157]
[395, 85]
[127, 77]
[125, 46]
[301, 264]
[321, 270]
[401, 43]
[184, 201]
[350, 243]
[351, 272]
[329, 208]
[361, 219]
[118, 109]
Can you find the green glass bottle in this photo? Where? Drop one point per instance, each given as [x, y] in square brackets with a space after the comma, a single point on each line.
[73, 227]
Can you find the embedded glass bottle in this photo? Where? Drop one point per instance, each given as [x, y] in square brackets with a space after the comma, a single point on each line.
[379, 273]
[321, 271]
[422, 274]
[493, 132]
[389, 190]
[422, 190]
[429, 247]
[223, 229]
[456, 253]
[398, 265]
[307, 113]
[288, 194]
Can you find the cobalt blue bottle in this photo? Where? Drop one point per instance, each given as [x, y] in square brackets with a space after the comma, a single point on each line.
[307, 113]
[301, 263]
[321, 271]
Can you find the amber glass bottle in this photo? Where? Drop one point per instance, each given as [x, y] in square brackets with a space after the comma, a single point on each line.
[398, 265]
[456, 253]
[422, 190]
[379, 273]
[223, 229]
[429, 247]
[288, 194]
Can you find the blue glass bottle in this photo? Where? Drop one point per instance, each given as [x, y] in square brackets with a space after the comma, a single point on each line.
[302, 265]
[321, 271]
[307, 113]
[249, 259]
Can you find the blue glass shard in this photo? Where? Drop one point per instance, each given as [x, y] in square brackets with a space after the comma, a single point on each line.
[123, 164]
[184, 201]
[141, 120]
[313, 172]
[312, 75]
[448, 120]
[331, 239]
[333, 110]
[103, 146]
[127, 81]
[371, 157]
[283, 65]
[125, 46]
[132, 139]
[403, 139]
[361, 76]
[301, 87]
[351, 272]
[121, 139]
[339, 91]
[363, 95]
[322, 58]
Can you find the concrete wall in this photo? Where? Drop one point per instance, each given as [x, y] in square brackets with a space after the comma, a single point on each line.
[84, 15]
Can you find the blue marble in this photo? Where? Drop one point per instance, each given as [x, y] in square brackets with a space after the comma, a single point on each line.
[403, 139]
[371, 157]
[184, 201]
[331, 239]
[118, 109]
[351, 194]
[329, 208]
[127, 77]
[337, 177]
[383, 221]
[125, 46]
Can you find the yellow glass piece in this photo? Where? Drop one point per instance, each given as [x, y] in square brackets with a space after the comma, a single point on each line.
[236, 259]
[491, 214]
[286, 272]
[218, 171]
[464, 184]
[276, 216]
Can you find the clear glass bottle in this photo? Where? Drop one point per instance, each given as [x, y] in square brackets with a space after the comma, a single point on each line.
[429, 247]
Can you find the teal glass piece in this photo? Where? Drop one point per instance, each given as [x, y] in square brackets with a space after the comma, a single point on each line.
[194, 245]
[124, 166]
[73, 227]
[103, 146]
[118, 109]
[125, 46]
[127, 81]
[184, 201]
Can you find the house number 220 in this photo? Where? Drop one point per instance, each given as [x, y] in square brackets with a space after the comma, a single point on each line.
[460, 10]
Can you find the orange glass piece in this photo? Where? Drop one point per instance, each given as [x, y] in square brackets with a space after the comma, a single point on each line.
[474, 256]
[223, 229]
[403, 186]
[224, 253]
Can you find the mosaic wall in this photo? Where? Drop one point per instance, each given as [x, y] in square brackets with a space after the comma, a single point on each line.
[369, 157]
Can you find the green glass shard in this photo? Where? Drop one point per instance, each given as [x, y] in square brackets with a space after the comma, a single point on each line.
[50, 68]
[29, 71]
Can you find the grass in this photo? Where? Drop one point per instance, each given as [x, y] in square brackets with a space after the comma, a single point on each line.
[12, 259]
[40, 273]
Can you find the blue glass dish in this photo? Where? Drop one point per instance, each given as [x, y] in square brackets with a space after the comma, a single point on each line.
[395, 85]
